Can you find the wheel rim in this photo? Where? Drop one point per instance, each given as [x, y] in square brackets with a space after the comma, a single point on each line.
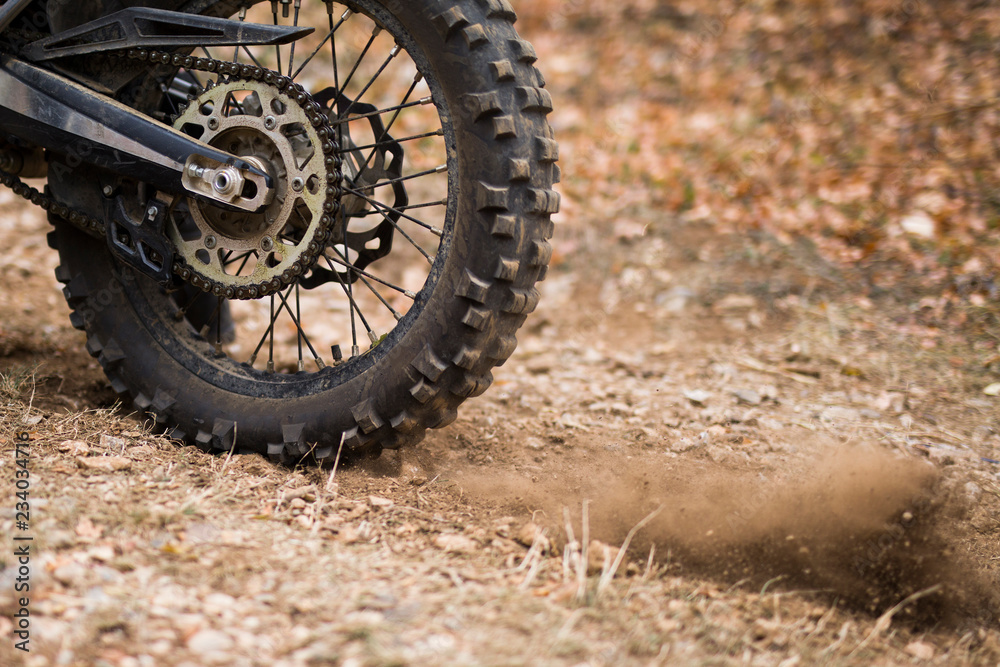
[397, 207]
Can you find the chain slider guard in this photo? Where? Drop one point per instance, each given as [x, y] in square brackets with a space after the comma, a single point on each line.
[142, 244]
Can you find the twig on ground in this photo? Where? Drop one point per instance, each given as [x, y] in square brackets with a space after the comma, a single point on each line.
[885, 620]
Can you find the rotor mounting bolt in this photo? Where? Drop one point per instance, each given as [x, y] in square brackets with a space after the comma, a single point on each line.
[210, 241]
[270, 122]
[298, 184]
[213, 123]
[267, 244]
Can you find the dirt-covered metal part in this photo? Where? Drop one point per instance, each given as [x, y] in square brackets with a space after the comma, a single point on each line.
[324, 202]
[247, 252]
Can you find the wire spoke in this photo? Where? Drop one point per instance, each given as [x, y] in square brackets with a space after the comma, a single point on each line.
[291, 57]
[397, 209]
[374, 291]
[354, 306]
[270, 349]
[277, 47]
[218, 328]
[379, 112]
[342, 261]
[392, 54]
[388, 127]
[382, 209]
[382, 144]
[243, 17]
[389, 181]
[197, 80]
[430, 260]
[301, 332]
[357, 63]
[252, 57]
[298, 312]
[329, 36]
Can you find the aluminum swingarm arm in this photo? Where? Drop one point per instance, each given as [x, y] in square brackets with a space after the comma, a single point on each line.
[49, 110]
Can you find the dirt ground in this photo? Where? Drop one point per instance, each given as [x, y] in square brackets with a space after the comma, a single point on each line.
[826, 488]
[803, 470]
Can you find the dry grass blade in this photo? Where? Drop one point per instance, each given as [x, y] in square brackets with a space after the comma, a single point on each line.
[336, 463]
[581, 570]
[608, 575]
[885, 620]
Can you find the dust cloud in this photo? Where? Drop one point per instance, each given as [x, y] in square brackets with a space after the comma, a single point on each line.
[863, 525]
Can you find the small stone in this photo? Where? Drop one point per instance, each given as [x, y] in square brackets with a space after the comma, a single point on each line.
[839, 413]
[454, 543]
[69, 574]
[733, 302]
[920, 650]
[58, 539]
[748, 396]
[973, 491]
[217, 603]
[74, 447]
[111, 442]
[206, 641]
[102, 554]
[920, 224]
[530, 533]
[697, 396]
[992, 389]
[348, 535]
[161, 647]
[104, 463]
[306, 493]
[380, 503]
[599, 553]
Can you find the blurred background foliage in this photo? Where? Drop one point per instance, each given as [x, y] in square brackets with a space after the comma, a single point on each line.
[864, 130]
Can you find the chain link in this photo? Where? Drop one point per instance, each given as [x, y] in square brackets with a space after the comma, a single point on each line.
[283, 84]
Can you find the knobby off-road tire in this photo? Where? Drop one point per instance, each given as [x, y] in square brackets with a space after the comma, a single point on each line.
[462, 324]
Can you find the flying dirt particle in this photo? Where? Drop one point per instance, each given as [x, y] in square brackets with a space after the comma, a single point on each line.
[868, 526]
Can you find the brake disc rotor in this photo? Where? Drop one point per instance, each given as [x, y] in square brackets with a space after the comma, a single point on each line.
[245, 255]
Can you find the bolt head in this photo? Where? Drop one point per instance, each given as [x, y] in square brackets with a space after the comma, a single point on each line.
[108, 190]
[213, 123]
[298, 184]
[151, 212]
[270, 122]
[210, 241]
[267, 244]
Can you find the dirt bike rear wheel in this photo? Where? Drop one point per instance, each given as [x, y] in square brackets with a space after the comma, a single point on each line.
[492, 247]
